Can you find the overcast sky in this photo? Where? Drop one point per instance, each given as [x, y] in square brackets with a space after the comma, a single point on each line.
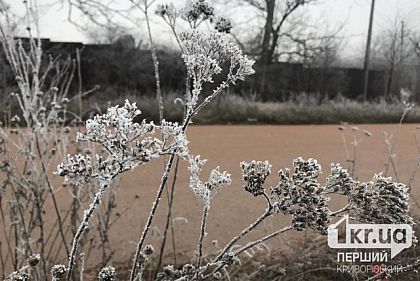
[353, 13]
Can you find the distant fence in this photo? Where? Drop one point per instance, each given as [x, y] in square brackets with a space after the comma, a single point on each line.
[122, 68]
[284, 79]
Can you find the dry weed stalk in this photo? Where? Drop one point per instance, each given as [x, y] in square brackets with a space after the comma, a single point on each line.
[31, 144]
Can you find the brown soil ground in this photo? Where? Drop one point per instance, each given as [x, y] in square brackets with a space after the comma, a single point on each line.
[233, 209]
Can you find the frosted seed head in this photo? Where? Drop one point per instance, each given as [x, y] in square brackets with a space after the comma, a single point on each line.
[188, 269]
[254, 174]
[222, 24]
[107, 274]
[206, 190]
[299, 194]
[34, 259]
[58, 271]
[148, 250]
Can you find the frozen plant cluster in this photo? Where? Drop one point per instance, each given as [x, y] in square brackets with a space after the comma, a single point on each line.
[299, 194]
[382, 201]
[222, 24]
[126, 142]
[58, 271]
[206, 190]
[339, 181]
[194, 13]
[204, 54]
[107, 274]
[254, 174]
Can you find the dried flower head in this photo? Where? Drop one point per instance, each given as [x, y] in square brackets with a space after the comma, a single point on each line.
[299, 194]
[148, 250]
[339, 181]
[107, 274]
[34, 259]
[58, 271]
[382, 201]
[166, 10]
[188, 269]
[254, 174]
[204, 55]
[206, 190]
[197, 11]
[169, 273]
[127, 143]
[76, 166]
[172, 131]
[222, 24]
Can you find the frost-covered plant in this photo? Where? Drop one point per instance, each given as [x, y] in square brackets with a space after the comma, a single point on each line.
[31, 141]
[300, 195]
[204, 55]
[128, 144]
[357, 137]
[254, 174]
[18, 276]
[206, 190]
[24, 273]
[58, 272]
[222, 24]
[382, 201]
[107, 274]
[197, 11]
[339, 181]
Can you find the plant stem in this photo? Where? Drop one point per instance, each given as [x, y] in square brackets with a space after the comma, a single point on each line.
[83, 226]
[169, 222]
[155, 63]
[263, 239]
[202, 234]
[248, 246]
[266, 214]
[151, 216]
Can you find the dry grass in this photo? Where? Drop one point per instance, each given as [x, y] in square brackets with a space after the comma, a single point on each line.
[303, 109]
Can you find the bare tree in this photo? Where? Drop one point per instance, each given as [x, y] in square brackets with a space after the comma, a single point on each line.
[307, 43]
[393, 50]
[287, 35]
[275, 12]
[415, 41]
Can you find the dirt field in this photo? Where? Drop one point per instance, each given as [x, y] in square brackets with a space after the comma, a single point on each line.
[233, 209]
